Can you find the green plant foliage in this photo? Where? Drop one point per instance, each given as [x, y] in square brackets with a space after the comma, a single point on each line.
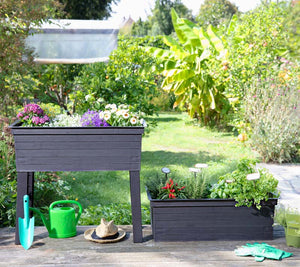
[293, 28]
[17, 19]
[193, 69]
[92, 9]
[125, 79]
[198, 187]
[8, 183]
[160, 22]
[256, 41]
[119, 213]
[56, 83]
[215, 12]
[247, 193]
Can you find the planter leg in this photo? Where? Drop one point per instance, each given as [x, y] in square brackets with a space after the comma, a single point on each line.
[135, 193]
[24, 187]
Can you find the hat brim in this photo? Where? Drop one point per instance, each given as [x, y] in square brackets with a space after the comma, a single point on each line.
[88, 236]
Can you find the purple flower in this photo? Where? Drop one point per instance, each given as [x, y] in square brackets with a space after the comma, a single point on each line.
[91, 118]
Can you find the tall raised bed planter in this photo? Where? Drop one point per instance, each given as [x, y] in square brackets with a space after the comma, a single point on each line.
[78, 149]
[210, 219]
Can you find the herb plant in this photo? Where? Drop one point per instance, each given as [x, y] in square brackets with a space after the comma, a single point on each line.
[246, 192]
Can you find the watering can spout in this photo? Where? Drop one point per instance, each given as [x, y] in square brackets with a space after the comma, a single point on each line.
[45, 221]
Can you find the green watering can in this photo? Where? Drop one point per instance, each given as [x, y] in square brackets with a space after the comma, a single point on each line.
[62, 221]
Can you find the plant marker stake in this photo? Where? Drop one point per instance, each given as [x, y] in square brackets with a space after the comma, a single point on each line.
[253, 177]
[166, 171]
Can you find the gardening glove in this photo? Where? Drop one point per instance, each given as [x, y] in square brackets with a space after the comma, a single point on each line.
[262, 251]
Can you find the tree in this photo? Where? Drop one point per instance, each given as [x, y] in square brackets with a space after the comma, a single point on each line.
[88, 9]
[160, 23]
[214, 12]
[17, 19]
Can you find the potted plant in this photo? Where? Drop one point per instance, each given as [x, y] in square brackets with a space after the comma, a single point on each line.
[290, 220]
[99, 140]
[234, 208]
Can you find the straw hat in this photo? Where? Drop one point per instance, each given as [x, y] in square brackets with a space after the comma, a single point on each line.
[106, 232]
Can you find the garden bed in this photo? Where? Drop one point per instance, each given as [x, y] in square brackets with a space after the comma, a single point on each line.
[210, 219]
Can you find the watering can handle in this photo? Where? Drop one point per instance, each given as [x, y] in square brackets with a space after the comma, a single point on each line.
[69, 202]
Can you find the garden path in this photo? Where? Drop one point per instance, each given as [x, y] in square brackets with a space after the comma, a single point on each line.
[288, 176]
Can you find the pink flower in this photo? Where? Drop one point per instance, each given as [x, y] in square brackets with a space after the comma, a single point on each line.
[35, 120]
[20, 115]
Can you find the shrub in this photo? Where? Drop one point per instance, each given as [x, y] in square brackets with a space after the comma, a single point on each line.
[8, 174]
[272, 107]
[124, 79]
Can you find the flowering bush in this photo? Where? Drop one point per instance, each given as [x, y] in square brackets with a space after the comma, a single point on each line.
[92, 118]
[172, 190]
[272, 107]
[33, 115]
[121, 115]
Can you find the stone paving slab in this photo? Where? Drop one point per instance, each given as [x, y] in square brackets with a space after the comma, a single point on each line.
[77, 251]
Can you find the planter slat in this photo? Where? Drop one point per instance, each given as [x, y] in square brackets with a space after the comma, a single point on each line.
[75, 137]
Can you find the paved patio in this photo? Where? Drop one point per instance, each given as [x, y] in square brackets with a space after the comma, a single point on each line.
[77, 251]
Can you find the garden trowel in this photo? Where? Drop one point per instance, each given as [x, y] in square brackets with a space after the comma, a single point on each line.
[26, 225]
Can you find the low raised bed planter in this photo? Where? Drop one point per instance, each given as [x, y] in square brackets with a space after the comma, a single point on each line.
[210, 219]
[78, 149]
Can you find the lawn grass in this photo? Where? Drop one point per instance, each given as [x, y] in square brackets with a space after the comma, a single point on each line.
[175, 143]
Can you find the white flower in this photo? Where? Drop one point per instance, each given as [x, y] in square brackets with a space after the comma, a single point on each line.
[106, 115]
[119, 112]
[143, 122]
[113, 106]
[107, 106]
[101, 115]
[125, 115]
[133, 120]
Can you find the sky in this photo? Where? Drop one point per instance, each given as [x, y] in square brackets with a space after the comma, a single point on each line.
[142, 8]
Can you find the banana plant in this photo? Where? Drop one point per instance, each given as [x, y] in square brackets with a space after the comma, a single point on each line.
[192, 67]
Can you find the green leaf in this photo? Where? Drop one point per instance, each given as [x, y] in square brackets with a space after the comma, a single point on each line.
[215, 39]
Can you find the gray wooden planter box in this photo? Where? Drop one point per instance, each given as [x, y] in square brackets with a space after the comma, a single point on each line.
[78, 149]
[210, 219]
